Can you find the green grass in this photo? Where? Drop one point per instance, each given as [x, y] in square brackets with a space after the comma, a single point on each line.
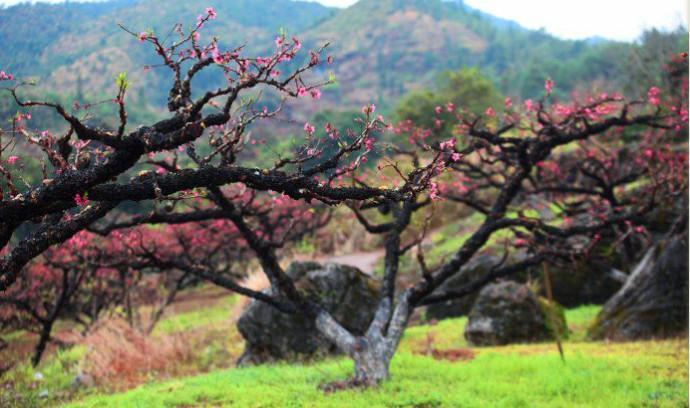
[612, 378]
[216, 314]
[595, 374]
[53, 378]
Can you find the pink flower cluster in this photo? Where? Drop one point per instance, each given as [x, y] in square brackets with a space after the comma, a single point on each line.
[448, 144]
[653, 96]
[434, 192]
[332, 131]
[368, 109]
[81, 200]
[4, 76]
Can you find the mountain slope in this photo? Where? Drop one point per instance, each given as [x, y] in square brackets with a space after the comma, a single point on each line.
[387, 47]
[382, 48]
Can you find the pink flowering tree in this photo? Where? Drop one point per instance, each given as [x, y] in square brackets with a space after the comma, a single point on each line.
[68, 282]
[87, 171]
[571, 156]
[190, 168]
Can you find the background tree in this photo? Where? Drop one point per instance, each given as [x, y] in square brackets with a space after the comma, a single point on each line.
[465, 91]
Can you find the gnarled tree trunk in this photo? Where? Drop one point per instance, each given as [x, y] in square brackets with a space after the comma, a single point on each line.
[372, 353]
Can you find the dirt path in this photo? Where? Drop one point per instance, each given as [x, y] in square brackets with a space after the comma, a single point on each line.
[365, 261]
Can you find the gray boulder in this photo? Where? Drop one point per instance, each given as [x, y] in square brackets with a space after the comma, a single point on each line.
[346, 292]
[474, 269]
[653, 302]
[509, 312]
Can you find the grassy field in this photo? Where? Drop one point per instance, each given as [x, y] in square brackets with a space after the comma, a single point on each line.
[434, 368]
[626, 375]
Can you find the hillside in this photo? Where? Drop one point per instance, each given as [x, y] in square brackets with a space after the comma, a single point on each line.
[388, 47]
[383, 49]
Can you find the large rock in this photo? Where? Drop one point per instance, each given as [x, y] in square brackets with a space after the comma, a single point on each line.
[591, 282]
[347, 293]
[509, 312]
[653, 302]
[479, 266]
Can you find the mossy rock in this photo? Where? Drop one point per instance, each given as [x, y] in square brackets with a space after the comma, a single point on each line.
[653, 303]
[509, 312]
[347, 293]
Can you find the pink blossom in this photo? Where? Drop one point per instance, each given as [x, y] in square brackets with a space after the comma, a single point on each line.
[274, 73]
[653, 96]
[81, 201]
[529, 105]
[369, 144]
[434, 192]
[297, 44]
[455, 157]
[329, 59]
[367, 109]
[562, 110]
[142, 36]
[5, 76]
[448, 144]
[216, 55]
[450, 106]
[301, 91]
[12, 159]
[603, 109]
[211, 12]
[437, 110]
[279, 41]
[508, 102]
[548, 85]
[520, 242]
[309, 129]
[316, 93]
[490, 111]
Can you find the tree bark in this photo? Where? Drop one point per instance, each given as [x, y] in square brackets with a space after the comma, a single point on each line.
[42, 342]
[372, 353]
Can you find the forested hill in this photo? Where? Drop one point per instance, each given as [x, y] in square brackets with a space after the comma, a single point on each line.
[383, 48]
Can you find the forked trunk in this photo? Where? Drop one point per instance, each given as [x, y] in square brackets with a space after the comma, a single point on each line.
[371, 362]
[372, 353]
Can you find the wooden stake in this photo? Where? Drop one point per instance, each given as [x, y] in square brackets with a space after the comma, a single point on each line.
[549, 296]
